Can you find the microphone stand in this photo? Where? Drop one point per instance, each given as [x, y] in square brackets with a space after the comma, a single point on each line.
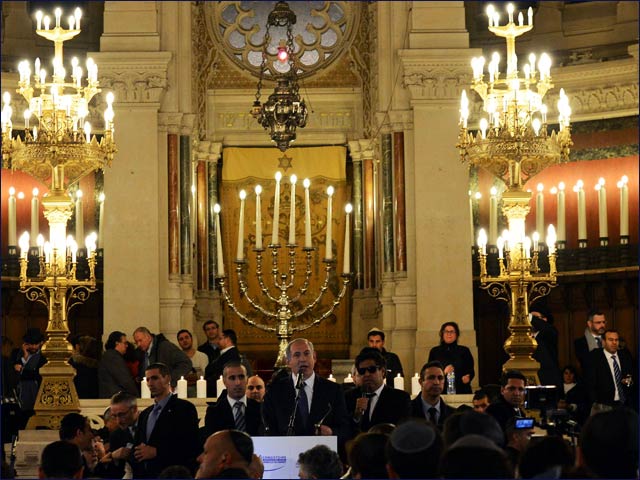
[291, 430]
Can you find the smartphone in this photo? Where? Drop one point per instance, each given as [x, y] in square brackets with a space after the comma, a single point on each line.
[524, 423]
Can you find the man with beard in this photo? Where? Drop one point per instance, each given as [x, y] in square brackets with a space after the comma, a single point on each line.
[429, 404]
[375, 339]
[210, 347]
[373, 402]
[511, 400]
[592, 339]
[27, 362]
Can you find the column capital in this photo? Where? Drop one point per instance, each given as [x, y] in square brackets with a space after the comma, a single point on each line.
[188, 121]
[401, 120]
[208, 151]
[170, 122]
[363, 149]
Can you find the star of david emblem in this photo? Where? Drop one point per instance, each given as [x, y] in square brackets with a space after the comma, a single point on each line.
[284, 162]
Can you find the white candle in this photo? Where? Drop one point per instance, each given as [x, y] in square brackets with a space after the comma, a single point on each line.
[415, 384]
[12, 217]
[292, 211]
[624, 206]
[348, 379]
[582, 211]
[307, 215]
[540, 209]
[562, 235]
[79, 216]
[602, 209]
[24, 244]
[219, 259]
[328, 251]
[276, 211]
[201, 388]
[144, 389]
[240, 251]
[219, 386]
[35, 217]
[346, 262]
[182, 388]
[493, 216]
[398, 382]
[332, 378]
[258, 218]
[101, 222]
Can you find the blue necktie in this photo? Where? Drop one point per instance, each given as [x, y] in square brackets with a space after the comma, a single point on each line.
[303, 405]
[240, 421]
[618, 377]
[153, 417]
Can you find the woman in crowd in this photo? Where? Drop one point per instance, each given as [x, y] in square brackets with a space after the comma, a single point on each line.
[455, 358]
[573, 396]
[85, 361]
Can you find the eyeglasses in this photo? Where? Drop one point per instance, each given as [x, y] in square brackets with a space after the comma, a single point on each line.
[122, 414]
[370, 369]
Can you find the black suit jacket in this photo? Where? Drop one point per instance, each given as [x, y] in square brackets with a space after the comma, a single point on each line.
[582, 353]
[600, 381]
[417, 410]
[503, 411]
[220, 416]
[279, 403]
[392, 407]
[211, 352]
[118, 438]
[547, 353]
[214, 370]
[175, 437]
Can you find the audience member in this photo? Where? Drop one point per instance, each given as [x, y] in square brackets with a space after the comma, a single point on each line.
[546, 457]
[546, 352]
[256, 388]
[124, 409]
[573, 395]
[320, 407]
[470, 422]
[517, 439]
[85, 363]
[167, 432]
[511, 399]
[210, 347]
[157, 349]
[367, 456]
[429, 404]
[413, 450]
[175, 471]
[374, 402]
[223, 452]
[228, 353]
[473, 457]
[113, 374]
[375, 339]
[608, 444]
[480, 401]
[61, 459]
[592, 338]
[75, 429]
[319, 462]
[455, 358]
[9, 375]
[199, 360]
[256, 467]
[383, 428]
[233, 409]
[27, 362]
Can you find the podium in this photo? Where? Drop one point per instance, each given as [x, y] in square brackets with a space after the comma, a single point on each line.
[280, 454]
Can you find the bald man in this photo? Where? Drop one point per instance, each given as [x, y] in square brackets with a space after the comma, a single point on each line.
[256, 388]
[225, 451]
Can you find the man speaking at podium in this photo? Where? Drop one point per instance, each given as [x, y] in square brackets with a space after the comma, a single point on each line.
[304, 403]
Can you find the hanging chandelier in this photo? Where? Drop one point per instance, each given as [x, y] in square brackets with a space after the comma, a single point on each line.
[284, 111]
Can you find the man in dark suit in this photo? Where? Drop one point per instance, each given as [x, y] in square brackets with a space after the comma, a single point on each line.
[210, 346]
[373, 402]
[228, 353]
[592, 339]
[225, 415]
[511, 399]
[124, 408]
[167, 431]
[375, 338]
[155, 348]
[609, 377]
[315, 404]
[429, 404]
[546, 353]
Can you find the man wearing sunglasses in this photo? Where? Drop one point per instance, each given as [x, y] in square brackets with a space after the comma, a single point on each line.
[373, 402]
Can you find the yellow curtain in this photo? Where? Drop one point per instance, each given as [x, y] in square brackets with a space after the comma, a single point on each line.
[243, 169]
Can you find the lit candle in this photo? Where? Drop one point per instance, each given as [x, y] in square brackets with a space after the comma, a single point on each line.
[38, 22]
[24, 244]
[415, 384]
[346, 263]
[35, 217]
[201, 388]
[79, 216]
[624, 206]
[12, 217]
[47, 22]
[101, 221]
[510, 9]
[398, 382]
[332, 378]
[540, 209]
[307, 215]
[582, 211]
[602, 209]
[500, 245]
[40, 244]
[258, 218]
[493, 216]
[240, 251]
[182, 388]
[58, 14]
[292, 211]
[530, 15]
[348, 379]
[219, 386]
[328, 252]
[144, 389]
[562, 234]
[276, 211]
[78, 14]
[219, 259]
[482, 241]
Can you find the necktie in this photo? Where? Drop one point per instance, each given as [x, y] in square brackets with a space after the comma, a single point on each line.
[432, 415]
[598, 342]
[153, 417]
[303, 405]
[618, 377]
[241, 423]
[367, 413]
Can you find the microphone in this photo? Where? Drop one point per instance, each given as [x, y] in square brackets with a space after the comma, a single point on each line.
[300, 380]
[357, 415]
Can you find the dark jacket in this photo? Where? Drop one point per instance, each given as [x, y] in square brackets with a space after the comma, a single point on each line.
[163, 351]
[461, 359]
[29, 377]
[547, 353]
[86, 379]
[175, 436]
[502, 411]
[417, 410]
[212, 352]
[114, 375]
[600, 381]
[221, 417]
[393, 406]
[214, 370]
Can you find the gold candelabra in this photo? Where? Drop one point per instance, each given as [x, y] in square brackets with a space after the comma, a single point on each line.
[285, 306]
[58, 150]
[513, 143]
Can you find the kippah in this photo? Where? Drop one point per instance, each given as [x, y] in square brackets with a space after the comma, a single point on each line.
[474, 441]
[412, 437]
[374, 329]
